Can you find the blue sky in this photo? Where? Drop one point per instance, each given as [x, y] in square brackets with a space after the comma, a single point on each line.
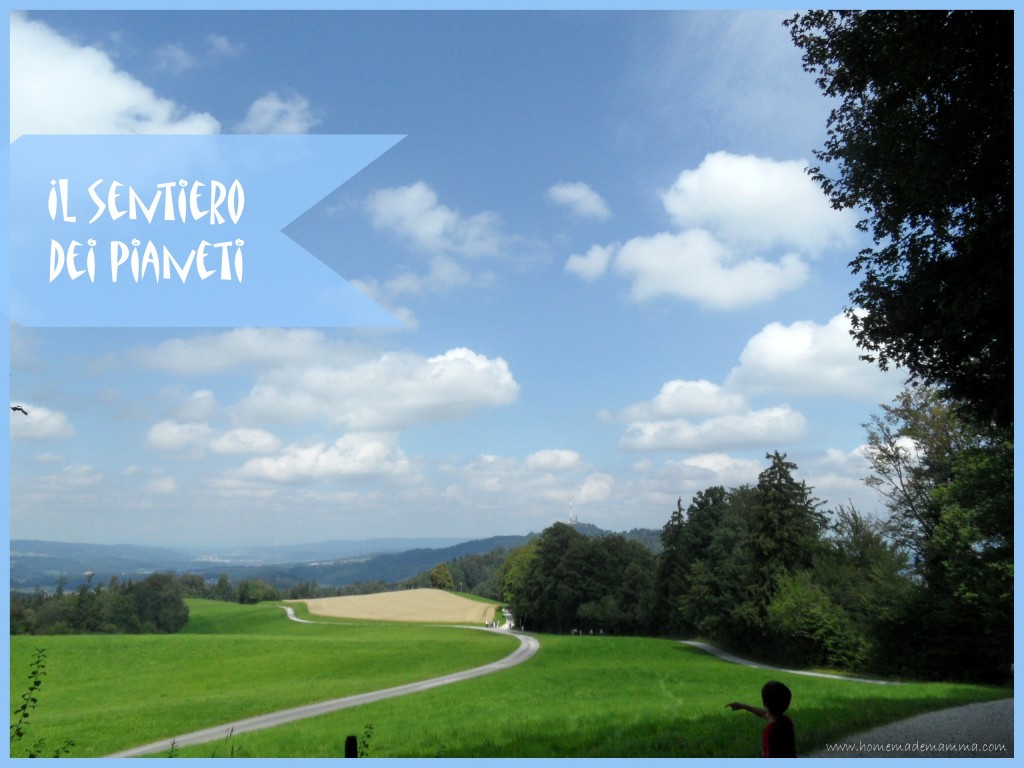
[618, 285]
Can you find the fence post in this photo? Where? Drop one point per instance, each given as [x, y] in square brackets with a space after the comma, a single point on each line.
[351, 746]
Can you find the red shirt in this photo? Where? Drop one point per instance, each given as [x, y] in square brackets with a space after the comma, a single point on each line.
[778, 738]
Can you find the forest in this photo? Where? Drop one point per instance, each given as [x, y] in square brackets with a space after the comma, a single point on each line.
[925, 591]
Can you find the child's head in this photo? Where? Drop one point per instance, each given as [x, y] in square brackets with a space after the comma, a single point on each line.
[776, 697]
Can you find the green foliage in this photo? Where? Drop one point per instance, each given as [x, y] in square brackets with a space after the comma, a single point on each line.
[922, 136]
[364, 741]
[571, 581]
[22, 713]
[819, 630]
[949, 488]
[155, 604]
[441, 577]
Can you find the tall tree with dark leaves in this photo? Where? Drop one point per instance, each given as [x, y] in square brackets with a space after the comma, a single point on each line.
[921, 140]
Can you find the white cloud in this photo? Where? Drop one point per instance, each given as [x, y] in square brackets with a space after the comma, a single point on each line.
[757, 203]
[245, 440]
[593, 265]
[686, 399]
[173, 58]
[596, 487]
[445, 274]
[553, 460]
[161, 485]
[693, 265]
[353, 454]
[40, 424]
[392, 391]
[725, 470]
[241, 347]
[276, 114]
[221, 45]
[94, 97]
[747, 227]
[414, 213]
[769, 426]
[201, 405]
[806, 358]
[171, 436]
[580, 199]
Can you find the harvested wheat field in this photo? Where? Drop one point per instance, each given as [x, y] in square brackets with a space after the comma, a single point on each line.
[433, 605]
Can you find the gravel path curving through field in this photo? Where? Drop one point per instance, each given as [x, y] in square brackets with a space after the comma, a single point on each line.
[975, 730]
[737, 660]
[528, 646]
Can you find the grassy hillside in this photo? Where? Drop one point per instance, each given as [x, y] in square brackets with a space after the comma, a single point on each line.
[601, 697]
[109, 692]
[580, 696]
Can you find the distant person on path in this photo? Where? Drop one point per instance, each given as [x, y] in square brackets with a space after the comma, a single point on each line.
[778, 738]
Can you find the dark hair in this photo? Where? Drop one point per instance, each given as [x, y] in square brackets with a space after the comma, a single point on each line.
[776, 697]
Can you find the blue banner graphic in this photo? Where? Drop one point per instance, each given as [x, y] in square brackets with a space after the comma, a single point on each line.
[168, 231]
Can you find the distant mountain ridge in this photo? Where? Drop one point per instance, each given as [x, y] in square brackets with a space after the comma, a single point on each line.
[39, 564]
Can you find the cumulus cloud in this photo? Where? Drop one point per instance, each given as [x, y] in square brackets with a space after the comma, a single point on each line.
[221, 45]
[593, 264]
[415, 213]
[173, 58]
[169, 436]
[686, 399]
[353, 454]
[580, 199]
[746, 230]
[553, 460]
[245, 440]
[93, 94]
[276, 114]
[392, 391]
[40, 424]
[200, 406]
[757, 202]
[768, 426]
[161, 486]
[241, 348]
[695, 266]
[596, 487]
[807, 358]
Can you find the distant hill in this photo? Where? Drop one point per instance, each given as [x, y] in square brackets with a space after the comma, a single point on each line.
[40, 564]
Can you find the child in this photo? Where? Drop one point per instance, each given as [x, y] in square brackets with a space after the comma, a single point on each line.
[777, 739]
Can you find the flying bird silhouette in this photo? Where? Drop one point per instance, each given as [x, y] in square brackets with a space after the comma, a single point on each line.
[19, 408]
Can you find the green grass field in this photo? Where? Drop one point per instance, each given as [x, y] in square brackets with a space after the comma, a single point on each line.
[580, 696]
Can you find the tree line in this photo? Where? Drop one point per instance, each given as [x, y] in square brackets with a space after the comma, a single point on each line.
[925, 591]
[156, 604]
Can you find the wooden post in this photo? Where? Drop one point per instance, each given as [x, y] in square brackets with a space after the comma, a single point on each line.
[351, 746]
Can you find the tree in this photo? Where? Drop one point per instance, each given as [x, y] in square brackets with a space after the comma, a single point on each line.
[923, 138]
[785, 531]
[949, 489]
[441, 577]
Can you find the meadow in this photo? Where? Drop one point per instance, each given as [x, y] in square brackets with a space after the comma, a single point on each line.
[580, 696]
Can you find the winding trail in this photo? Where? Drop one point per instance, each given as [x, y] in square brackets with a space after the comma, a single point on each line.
[528, 646]
[737, 660]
